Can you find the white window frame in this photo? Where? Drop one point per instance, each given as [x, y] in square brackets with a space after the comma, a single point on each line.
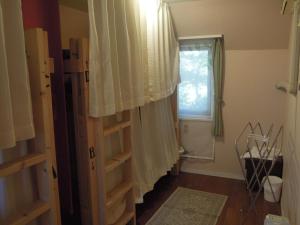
[201, 117]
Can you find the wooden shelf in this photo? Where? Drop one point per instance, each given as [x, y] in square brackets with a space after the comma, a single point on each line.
[118, 192]
[117, 160]
[125, 218]
[21, 163]
[28, 215]
[115, 128]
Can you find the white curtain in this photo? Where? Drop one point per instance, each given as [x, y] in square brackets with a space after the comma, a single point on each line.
[16, 122]
[155, 148]
[133, 54]
[294, 49]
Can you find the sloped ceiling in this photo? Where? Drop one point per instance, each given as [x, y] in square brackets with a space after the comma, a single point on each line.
[246, 24]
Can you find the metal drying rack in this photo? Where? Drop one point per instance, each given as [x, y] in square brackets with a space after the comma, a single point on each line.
[258, 146]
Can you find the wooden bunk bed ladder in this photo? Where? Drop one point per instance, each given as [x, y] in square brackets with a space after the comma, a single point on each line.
[41, 157]
[96, 202]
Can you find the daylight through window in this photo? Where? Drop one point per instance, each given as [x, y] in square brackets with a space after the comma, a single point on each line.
[195, 89]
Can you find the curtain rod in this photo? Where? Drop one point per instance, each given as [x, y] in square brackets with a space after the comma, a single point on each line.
[201, 37]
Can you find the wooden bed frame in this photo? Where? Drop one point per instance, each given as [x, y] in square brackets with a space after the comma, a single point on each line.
[90, 137]
[41, 157]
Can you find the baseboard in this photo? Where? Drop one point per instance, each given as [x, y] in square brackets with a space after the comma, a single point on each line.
[213, 173]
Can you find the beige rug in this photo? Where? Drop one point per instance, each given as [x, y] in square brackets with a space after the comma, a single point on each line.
[189, 207]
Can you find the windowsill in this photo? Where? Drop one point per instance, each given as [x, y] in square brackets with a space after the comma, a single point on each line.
[196, 118]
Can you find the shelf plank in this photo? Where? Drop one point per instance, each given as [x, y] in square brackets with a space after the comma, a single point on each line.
[30, 214]
[125, 218]
[115, 128]
[118, 192]
[22, 163]
[117, 160]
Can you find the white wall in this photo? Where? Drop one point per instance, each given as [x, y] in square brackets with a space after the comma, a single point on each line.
[249, 95]
[246, 24]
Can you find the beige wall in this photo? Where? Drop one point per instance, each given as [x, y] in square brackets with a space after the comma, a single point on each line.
[74, 24]
[246, 24]
[249, 95]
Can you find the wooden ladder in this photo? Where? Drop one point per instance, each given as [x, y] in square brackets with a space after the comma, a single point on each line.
[90, 134]
[123, 159]
[41, 158]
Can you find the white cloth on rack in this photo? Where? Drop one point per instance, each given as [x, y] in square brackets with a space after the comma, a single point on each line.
[134, 54]
[263, 153]
[16, 122]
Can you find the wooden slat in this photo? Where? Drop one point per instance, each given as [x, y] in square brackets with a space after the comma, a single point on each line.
[116, 161]
[28, 215]
[51, 65]
[115, 128]
[118, 192]
[74, 66]
[125, 218]
[40, 83]
[21, 163]
[84, 131]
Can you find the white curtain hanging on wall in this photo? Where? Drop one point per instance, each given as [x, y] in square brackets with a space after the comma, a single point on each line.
[133, 54]
[16, 122]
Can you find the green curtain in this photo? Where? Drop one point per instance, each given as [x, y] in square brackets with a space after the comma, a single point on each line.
[218, 75]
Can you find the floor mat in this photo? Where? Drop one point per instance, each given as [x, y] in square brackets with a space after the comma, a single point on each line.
[189, 207]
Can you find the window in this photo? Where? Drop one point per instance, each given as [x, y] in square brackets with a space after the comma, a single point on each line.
[195, 90]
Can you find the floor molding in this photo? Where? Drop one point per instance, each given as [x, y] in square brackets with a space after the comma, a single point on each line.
[212, 173]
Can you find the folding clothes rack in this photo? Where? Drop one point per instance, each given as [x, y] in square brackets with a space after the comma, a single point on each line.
[255, 144]
[41, 159]
[95, 200]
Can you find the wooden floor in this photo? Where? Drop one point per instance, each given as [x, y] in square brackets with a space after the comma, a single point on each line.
[233, 212]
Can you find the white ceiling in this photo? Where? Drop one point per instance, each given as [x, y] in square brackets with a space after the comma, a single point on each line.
[246, 24]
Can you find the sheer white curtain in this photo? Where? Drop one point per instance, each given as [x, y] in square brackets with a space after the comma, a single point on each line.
[155, 148]
[294, 49]
[15, 99]
[16, 124]
[133, 54]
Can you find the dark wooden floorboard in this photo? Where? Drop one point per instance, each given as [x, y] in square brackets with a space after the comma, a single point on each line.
[234, 210]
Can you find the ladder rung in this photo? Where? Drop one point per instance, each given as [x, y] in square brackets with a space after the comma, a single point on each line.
[125, 218]
[119, 126]
[117, 193]
[117, 160]
[21, 163]
[26, 216]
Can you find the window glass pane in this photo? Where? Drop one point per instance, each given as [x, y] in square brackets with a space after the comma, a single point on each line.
[195, 86]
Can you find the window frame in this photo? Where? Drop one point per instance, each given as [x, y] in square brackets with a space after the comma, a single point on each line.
[207, 118]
